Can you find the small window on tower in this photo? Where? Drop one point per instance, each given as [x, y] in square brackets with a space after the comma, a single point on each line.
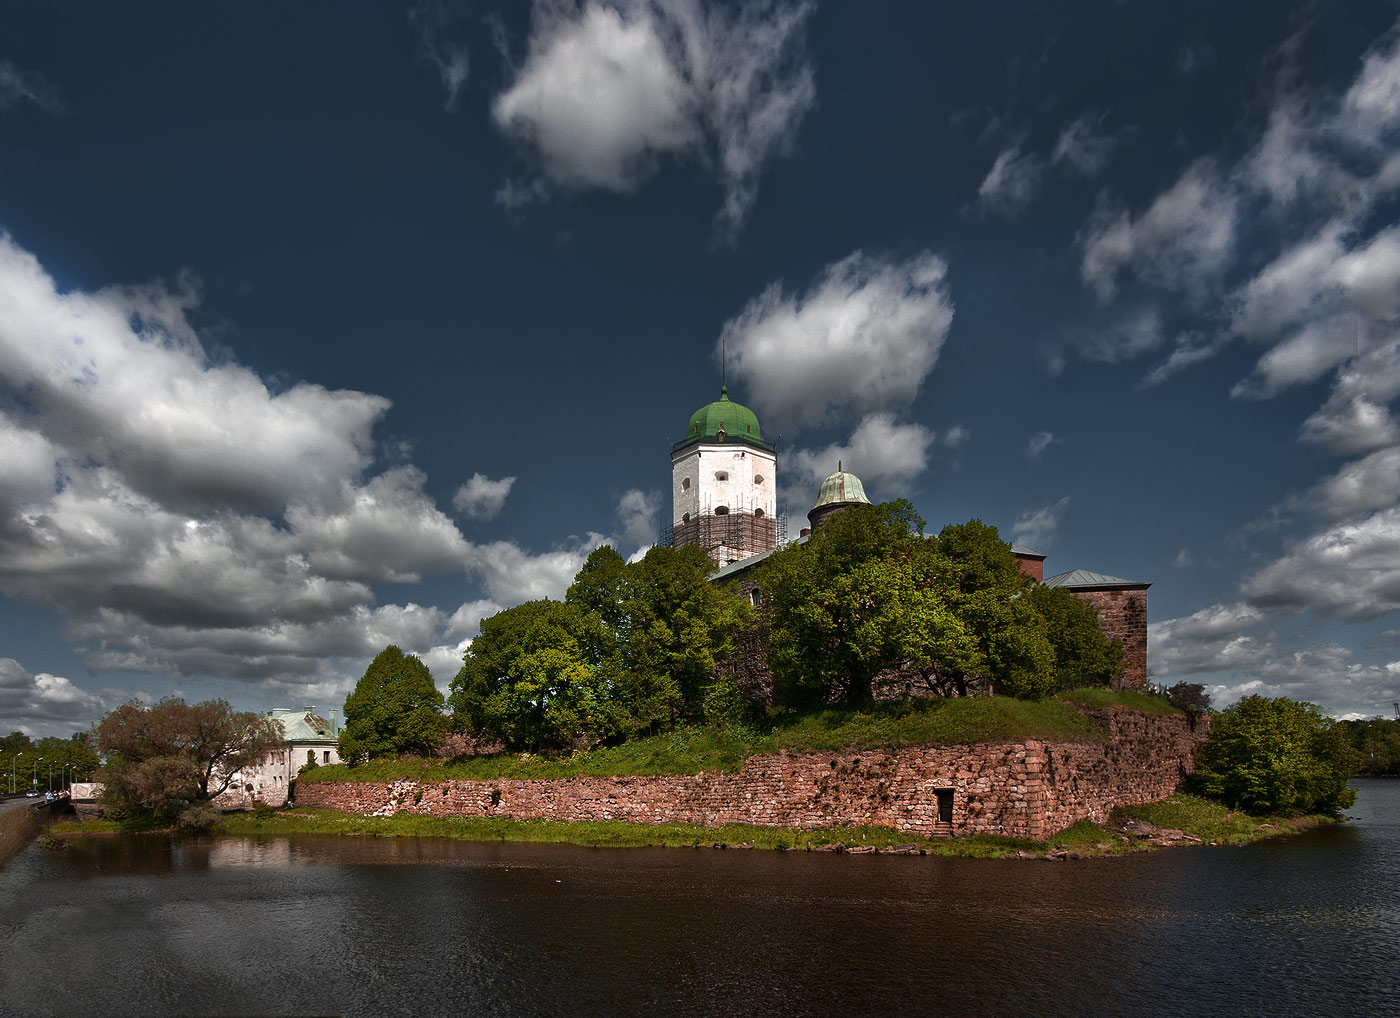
[721, 510]
[757, 478]
[758, 513]
[685, 484]
[721, 475]
[685, 517]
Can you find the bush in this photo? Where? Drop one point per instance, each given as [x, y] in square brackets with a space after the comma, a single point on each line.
[1276, 756]
[263, 811]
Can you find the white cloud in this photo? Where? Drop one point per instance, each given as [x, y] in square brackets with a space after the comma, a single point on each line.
[1349, 571]
[637, 513]
[44, 704]
[861, 339]
[1183, 559]
[19, 87]
[511, 575]
[1210, 640]
[1182, 242]
[1011, 183]
[435, 19]
[607, 89]
[1372, 482]
[466, 620]
[881, 451]
[1082, 149]
[482, 498]
[956, 436]
[1133, 334]
[1039, 442]
[1036, 528]
[1356, 418]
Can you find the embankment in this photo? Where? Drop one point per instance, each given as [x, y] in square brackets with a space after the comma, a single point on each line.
[1022, 789]
[17, 829]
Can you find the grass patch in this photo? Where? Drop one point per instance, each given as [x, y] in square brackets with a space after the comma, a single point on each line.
[1215, 823]
[707, 748]
[1094, 698]
[90, 825]
[614, 834]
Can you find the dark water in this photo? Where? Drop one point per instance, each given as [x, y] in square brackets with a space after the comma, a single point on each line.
[1301, 926]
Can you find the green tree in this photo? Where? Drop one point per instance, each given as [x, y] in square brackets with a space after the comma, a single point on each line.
[529, 679]
[394, 710]
[176, 750]
[1377, 744]
[1083, 655]
[864, 594]
[1190, 697]
[1276, 756]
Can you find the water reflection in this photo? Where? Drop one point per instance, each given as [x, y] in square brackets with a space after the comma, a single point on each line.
[364, 926]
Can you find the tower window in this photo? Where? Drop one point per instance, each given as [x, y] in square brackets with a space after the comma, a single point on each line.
[685, 517]
[721, 510]
[758, 513]
[757, 478]
[721, 475]
[685, 484]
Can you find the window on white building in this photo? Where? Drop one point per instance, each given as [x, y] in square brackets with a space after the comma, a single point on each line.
[685, 484]
[757, 478]
[721, 510]
[721, 475]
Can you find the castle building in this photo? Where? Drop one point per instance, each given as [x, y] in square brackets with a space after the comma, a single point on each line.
[724, 499]
[724, 484]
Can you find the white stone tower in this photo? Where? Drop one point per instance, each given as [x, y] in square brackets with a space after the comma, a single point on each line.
[724, 484]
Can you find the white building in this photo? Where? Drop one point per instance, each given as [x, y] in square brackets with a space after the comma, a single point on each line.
[309, 739]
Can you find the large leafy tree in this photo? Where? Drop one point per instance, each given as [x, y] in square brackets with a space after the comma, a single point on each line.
[393, 710]
[531, 678]
[176, 750]
[1277, 756]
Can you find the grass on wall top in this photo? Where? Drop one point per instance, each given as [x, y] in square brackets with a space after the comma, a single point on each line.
[709, 748]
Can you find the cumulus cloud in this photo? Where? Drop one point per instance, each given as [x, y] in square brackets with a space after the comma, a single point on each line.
[435, 20]
[882, 452]
[861, 339]
[44, 704]
[1348, 571]
[1082, 149]
[1132, 334]
[1036, 528]
[1181, 242]
[19, 88]
[1356, 417]
[606, 90]
[482, 498]
[1211, 640]
[1372, 482]
[1011, 183]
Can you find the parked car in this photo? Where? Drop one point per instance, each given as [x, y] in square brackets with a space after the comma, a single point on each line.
[32, 795]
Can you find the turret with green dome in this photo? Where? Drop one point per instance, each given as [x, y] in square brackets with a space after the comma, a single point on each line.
[724, 421]
[839, 491]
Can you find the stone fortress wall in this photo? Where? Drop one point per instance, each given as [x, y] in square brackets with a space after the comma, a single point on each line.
[1028, 789]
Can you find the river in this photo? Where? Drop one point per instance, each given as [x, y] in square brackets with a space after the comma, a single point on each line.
[151, 925]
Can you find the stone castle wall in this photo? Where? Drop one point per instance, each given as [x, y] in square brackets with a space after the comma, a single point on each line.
[1025, 789]
[1123, 616]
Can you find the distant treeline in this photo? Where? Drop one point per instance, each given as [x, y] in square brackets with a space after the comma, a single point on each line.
[1378, 743]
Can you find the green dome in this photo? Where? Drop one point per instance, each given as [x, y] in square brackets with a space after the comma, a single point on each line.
[841, 488]
[736, 422]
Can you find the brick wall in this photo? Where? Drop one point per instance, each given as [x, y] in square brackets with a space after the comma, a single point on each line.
[1123, 616]
[1023, 789]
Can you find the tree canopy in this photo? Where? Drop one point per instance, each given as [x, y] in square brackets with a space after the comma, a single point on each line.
[175, 750]
[869, 592]
[1276, 756]
[632, 647]
[393, 710]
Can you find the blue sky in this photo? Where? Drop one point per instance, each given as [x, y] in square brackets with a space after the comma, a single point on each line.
[324, 326]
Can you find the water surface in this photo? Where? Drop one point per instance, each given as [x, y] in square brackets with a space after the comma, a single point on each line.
[277, 926]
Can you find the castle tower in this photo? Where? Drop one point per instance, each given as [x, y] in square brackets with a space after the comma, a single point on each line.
[840, 490]
[724, 485]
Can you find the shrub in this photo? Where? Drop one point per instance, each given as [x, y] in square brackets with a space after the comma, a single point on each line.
[1276, 756]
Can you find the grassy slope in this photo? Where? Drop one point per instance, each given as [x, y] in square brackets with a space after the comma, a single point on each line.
[693, 750]
[1199, 819]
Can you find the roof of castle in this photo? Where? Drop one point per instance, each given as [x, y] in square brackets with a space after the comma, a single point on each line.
[1082, 579]
[305, 727]
[724, 421]
[841, 488]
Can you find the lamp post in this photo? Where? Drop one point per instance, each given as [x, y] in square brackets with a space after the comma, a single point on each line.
[14, 762]
[51, 775]
[34, 774]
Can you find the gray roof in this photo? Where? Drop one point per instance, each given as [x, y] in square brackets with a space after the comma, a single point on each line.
[1021, 549]
[1083, 579]
[745, 564]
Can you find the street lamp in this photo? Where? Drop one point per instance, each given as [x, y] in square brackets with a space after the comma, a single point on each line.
[14, 762]
[34, 774]
[60, 775]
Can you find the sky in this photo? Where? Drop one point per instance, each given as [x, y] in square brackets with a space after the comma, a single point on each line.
[325, 326]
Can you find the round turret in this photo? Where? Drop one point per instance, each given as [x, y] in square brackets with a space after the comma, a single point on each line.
[839, 491]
